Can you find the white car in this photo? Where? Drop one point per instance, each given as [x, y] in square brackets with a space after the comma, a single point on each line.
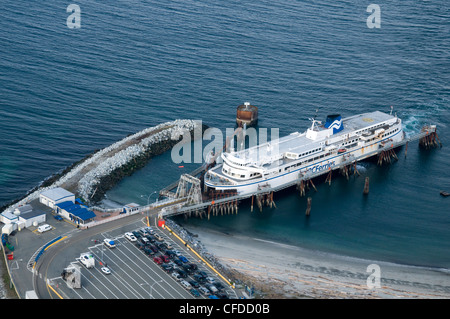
[44, 228]
[105, 270]
[185, 284]
[130, 237]
[109, 243]
[203, 290]
[176, 276]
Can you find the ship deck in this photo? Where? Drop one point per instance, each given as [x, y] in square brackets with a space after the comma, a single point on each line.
[270, 155]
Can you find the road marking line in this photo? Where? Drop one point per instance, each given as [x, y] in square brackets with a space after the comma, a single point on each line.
[49, 286]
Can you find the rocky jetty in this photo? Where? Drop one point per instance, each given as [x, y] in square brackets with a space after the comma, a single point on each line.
[91, 177]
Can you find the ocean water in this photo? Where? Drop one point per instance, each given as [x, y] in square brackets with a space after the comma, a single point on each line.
[133, 64]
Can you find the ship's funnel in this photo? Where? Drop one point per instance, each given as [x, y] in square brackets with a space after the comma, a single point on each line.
[335, 122]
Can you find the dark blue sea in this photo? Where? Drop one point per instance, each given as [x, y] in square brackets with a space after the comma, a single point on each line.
[65, 93]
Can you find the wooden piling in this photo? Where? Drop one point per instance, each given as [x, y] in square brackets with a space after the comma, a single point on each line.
[366, 186]
[312, 184]
[437, 137]
[302, 188]
[355, 170]
[258, 201]
[251, 207]
[308, 206]
[328, 179]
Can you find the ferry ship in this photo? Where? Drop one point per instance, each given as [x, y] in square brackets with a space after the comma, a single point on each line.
[321, 148]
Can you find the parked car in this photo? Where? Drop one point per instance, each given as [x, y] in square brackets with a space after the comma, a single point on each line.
[203, 290]
[143, 231]
[167, 267]
[136, 234]
[58, 218]
[140, 245]
[105, 270]
[109, 243]
[212, 288]
[130, 236]
[222, 295]
[154, 248]
[170, 253]
[176, 275]
[187, 269]
[183, 259]
[167, 245]
[145, 241]
[218, 285]
[182, 273]
[149, 230]
[178, 262]
[158, 260]
[185, 284]
[194, 292]
[148, 251]
[193, 266]
[210, 279]
[203, 274]
[151, 238]
[43, 228]
[160, 246]
[165, 258]
[194, 283]
[200, 278]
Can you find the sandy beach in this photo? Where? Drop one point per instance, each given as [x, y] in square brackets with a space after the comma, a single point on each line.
[284, 271]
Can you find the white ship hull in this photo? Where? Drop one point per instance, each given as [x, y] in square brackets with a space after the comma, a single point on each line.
[328, 152]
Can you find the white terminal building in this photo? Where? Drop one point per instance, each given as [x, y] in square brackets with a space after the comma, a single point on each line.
[55, 196]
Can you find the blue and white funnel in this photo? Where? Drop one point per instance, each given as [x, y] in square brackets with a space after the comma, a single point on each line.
[335, 122]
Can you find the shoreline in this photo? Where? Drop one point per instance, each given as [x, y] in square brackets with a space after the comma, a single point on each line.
[282, 271]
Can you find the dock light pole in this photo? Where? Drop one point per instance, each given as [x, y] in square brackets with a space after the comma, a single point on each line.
[151, 287]
[148, 197]
[148, 202]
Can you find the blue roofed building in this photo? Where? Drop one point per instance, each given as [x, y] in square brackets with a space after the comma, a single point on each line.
[79, 214]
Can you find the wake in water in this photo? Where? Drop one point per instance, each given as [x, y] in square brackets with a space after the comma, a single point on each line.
[430, 113]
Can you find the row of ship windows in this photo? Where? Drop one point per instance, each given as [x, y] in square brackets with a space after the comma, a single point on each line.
[238, 175]
[310, 152]
[388, 133]
[350, 142]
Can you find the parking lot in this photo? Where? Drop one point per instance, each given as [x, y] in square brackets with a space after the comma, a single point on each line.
[136, 274]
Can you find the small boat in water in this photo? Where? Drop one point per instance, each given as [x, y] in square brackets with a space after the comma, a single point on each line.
[445, 194]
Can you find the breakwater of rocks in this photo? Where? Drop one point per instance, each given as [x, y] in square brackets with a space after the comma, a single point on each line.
[92, 176]
[145, 145]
